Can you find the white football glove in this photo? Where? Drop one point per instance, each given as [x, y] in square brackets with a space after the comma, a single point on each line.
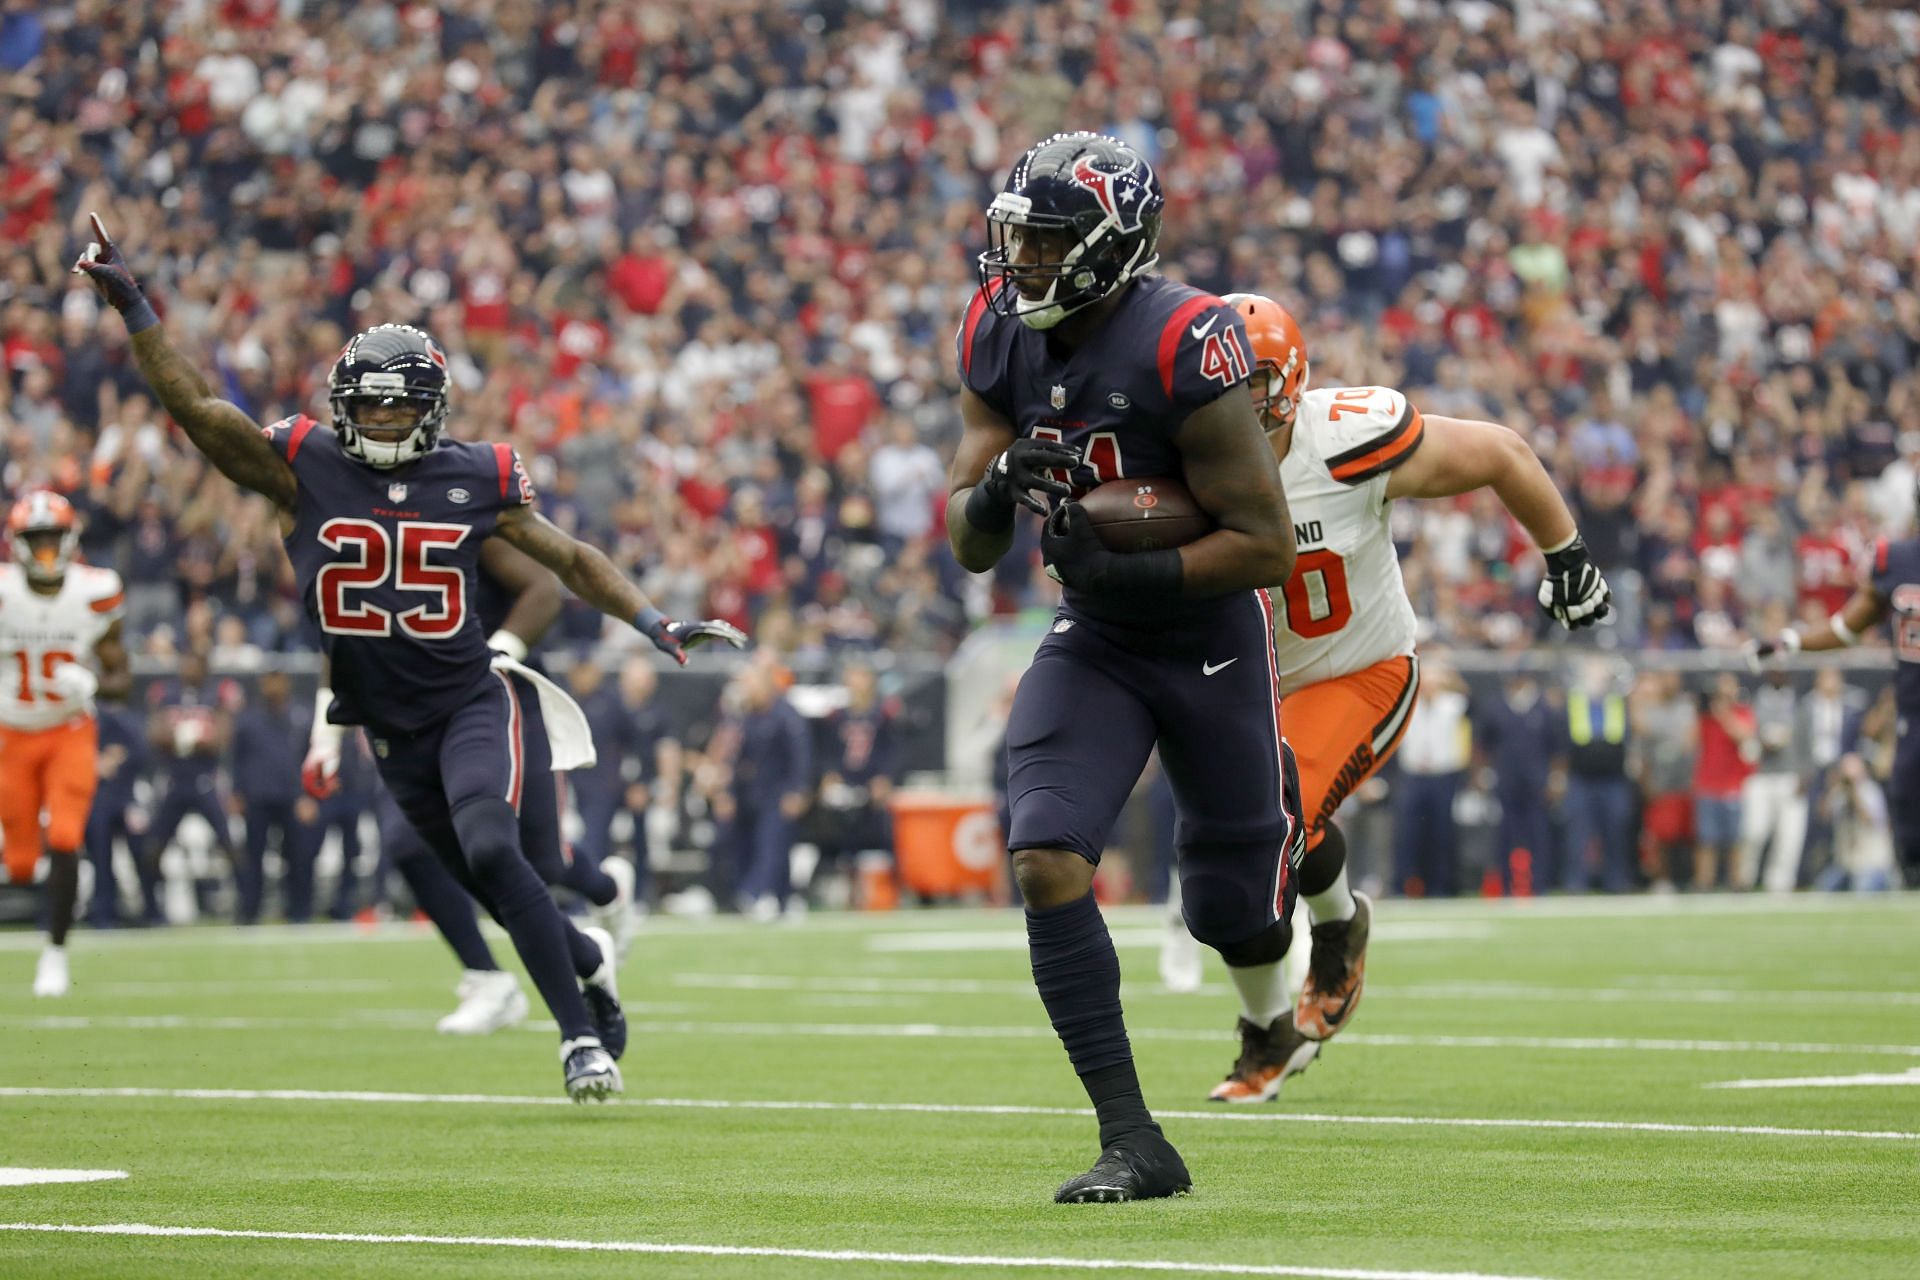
[74, 683]
[320, 771]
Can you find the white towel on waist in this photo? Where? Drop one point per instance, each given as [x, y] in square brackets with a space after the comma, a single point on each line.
[567, 732]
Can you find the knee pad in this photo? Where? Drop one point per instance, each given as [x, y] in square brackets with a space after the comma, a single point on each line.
[489, 832]
[1266, 947]
[1227, 894]
[1324, 861]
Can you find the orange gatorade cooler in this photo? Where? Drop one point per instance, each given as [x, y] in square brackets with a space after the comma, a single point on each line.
[949, 845]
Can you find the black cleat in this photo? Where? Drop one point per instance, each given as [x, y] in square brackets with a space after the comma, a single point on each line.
[1140, 1166]
[603, 996]
[591, 1075]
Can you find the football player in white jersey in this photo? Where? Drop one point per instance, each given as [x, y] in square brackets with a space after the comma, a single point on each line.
[1349, 674]
[53, 614]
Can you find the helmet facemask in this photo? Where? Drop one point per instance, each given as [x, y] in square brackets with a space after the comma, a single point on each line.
[357, 438]
[44, 553]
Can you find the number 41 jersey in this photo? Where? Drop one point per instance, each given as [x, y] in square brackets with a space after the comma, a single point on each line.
[387, 563]
[1346, 605]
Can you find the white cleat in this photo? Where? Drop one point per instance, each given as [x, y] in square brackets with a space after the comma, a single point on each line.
[50, 978]
[490, 1001]
[618, 917]
[1181, 970]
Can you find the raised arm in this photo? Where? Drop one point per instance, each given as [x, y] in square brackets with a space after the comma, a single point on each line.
[586, 571]
[230, 439]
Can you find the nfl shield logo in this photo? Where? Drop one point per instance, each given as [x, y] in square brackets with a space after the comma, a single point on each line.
[397, 492]
[1059, 397]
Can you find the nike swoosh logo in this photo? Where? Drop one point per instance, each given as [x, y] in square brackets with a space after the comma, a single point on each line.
[1202, 330]
[1208, 668]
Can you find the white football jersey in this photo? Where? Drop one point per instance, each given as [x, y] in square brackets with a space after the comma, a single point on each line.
[1346, 606]
[38, 633]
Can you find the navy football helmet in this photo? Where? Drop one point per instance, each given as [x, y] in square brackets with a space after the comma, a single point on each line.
[387, 365]
[1097, 200]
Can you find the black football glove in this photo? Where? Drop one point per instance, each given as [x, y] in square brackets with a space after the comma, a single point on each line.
[1075, 557]
[1012, 476]
[1573, 593]
[675, 638]
[103, 265]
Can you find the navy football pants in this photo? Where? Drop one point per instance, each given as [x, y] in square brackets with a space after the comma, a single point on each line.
[1093, 705]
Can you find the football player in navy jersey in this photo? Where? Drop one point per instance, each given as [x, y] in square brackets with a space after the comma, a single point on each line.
[1889, 592]
[1080, 366]
[384, 521]
[517, 600]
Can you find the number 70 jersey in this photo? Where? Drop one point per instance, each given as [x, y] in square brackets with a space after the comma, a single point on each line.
[1346, 604]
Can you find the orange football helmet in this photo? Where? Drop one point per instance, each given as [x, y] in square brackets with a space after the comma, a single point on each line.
[1280, 349]
[44, 532]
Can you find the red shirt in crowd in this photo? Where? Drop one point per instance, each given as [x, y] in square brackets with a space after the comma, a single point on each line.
[842, 404]
[1719, 771]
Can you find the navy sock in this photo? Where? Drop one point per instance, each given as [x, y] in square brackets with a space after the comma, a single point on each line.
[584, 876]
[1078, 973]
[448, 905]
[585, 952]
[63, 888]
[489, 833]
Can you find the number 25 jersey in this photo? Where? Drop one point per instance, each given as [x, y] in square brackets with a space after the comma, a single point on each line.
[387, 563]
[1346, 605]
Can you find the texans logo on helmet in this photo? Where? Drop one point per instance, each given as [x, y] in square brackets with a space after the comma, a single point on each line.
[1102, 185]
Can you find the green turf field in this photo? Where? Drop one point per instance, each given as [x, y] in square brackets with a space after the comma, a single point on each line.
[1526, 1092]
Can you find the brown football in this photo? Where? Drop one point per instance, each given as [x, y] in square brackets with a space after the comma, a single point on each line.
[1146, 514]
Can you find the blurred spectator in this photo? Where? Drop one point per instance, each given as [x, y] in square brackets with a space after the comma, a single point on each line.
[1773, 799]
[860, 763]
[759, 776]
[189, 726]
[1599, 796]
[1828, 727]
[1519, 735]
[1720, 770]
[1862, 832]
[340, 814]
[1433, 757]
[111, 823]
[269, 739]
[1666, 736]
[636, 749]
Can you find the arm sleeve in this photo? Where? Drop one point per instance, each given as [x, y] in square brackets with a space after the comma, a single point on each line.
[1369, 431]
[107, 599]
[289, 436]
[980, 353]
[1201, 354]
[515, 486]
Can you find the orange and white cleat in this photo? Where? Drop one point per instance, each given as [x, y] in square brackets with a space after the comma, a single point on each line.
[1268, 1055]
[1336, 973]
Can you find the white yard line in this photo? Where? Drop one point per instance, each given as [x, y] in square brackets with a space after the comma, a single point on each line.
[1911, 1076]
[1015, 939]
[1440, 991]
[12, 1177]
[984, 1261]
[412, 1020]
[1235, 1115]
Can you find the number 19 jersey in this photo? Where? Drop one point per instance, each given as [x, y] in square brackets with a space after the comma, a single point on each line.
[387, 563]
[1346, 605]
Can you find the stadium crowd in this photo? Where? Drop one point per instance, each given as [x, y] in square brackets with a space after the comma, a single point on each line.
[702, 264]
